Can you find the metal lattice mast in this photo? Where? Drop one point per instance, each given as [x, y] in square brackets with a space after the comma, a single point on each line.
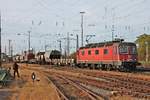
[82, 13]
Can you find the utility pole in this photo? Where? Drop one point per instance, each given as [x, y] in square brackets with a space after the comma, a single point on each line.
[77, 44]
[67, 40]
[9, 46]
[105, 17]
[113, 26]
[77, 39]
[29, 41]
[60, 46]
[0, 42]
[5, 50]
[45, 46]
[68, 44]
[11, 51]
[82, 13]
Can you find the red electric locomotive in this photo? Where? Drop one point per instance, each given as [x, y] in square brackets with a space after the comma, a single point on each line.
[108, 55]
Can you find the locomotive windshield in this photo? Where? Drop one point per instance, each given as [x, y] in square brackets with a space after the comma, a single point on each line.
[127, 49]
[133, 50]
[123, 49]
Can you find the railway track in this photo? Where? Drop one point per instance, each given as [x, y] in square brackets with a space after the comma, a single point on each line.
[135, 87]
[132, 79]
[113, 84]
[59, 92]
[122, 87]
[124, 78]
[63, 94]
[138, 71]
[90, 95]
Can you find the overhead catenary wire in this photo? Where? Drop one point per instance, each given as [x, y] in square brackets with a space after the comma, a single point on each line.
[122, 16]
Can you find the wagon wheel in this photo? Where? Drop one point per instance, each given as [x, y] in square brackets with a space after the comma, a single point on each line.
[100, 66]
[109, 67]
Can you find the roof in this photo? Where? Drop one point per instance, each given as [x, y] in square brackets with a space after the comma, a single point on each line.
[40, 53]
[107, 43]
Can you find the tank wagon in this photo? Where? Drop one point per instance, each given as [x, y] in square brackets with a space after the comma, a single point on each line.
[40, 58]
[51, 55]
[24, 57]
[54, 57]
[48, 57]
[108, 55]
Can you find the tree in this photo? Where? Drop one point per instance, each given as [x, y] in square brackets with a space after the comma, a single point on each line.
[143, 42]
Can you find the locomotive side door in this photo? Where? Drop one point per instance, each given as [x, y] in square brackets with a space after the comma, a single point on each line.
[77, 56]
[115, 54]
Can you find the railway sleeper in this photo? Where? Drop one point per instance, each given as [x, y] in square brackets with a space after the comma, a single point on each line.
[127, 85]
[92, 95]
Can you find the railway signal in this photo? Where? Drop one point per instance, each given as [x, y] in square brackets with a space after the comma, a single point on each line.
[33, 76]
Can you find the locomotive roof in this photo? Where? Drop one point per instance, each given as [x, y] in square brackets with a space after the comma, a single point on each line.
[40, 53]
[108, 43]
[49, 52]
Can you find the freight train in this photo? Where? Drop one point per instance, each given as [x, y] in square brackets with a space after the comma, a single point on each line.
[109, 55]
[52, 57]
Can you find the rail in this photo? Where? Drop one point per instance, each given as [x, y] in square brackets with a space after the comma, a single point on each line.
[61, 95]
[91, 94]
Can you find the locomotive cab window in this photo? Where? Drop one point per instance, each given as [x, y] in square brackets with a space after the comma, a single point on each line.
[96, 52]
[82, 52]
[89, 52]
[133, 50]
[105, 51]
[123, 49]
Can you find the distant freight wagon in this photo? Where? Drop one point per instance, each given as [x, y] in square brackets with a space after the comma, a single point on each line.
[47, 57]
[25, 57]
[52, 57]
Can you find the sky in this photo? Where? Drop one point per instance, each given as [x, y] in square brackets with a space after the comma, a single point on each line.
[51, 20]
